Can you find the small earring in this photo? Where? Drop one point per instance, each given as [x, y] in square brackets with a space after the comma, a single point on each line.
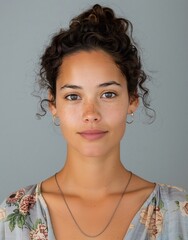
[55, 121]
[132, 118]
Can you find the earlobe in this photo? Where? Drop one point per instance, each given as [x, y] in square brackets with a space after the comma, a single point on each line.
[133, 105]
[51, 104]
[52, 108]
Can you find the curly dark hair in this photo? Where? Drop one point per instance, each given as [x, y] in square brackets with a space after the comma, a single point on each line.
[96, 28]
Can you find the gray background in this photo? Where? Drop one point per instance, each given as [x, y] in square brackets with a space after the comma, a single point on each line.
[31, 150]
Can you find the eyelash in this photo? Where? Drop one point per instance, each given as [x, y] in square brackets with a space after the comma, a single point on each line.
[111, 93]
[75, 97]
[69, 97]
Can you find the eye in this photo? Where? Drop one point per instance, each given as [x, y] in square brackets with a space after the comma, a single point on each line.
[109, 95]
[72, 97]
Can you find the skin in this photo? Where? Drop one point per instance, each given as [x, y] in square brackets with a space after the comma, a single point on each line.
[91, 95]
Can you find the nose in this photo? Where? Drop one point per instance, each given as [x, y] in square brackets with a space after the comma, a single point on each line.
[91, 113]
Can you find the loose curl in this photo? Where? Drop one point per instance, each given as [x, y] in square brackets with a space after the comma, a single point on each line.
[96, 28]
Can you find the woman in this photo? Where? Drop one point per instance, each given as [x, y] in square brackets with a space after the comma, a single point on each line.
[94, 79]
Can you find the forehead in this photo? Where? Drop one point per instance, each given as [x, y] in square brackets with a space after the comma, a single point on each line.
[94, 65]
[91, 54]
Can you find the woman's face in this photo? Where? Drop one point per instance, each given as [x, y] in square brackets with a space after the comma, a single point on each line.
[92, 103]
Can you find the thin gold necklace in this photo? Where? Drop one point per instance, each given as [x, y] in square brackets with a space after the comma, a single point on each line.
[113, 213]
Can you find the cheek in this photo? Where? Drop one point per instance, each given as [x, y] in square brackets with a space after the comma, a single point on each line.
[119, 119]
[69, 121]
[119, 114]
[68, 115]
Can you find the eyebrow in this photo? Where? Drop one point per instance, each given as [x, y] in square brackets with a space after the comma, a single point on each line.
[105, 84]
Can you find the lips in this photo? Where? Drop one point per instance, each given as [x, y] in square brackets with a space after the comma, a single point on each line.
[93, 134]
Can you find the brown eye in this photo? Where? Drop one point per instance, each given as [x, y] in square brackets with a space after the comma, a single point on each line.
[109, 95]
[72, 97]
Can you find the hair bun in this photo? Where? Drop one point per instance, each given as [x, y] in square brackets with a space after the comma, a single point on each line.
[98, 19]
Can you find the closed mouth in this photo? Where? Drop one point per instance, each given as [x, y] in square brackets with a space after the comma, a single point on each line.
[92, 134]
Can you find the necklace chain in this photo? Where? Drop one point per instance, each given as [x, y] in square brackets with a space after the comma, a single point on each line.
[113, 213]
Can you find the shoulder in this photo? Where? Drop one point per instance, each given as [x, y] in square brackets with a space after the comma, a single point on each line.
[25, 196]
[171, 196]
[21, 212]
[165, 213]
[19, 202]
[171, 193]
[173, 201]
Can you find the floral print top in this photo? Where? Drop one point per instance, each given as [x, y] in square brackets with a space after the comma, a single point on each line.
[163, 216]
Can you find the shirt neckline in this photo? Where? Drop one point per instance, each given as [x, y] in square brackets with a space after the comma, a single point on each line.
[144, 205]
[50, 227]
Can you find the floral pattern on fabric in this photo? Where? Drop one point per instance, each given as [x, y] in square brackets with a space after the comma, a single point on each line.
[183, 206]
[2, 214]
[39, 231]
[152, 217]
[22, 205]
[24, 215]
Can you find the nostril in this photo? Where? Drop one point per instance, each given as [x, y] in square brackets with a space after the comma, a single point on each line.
[91, 113]
[91, 117]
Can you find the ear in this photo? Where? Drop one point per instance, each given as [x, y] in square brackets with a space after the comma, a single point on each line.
[51, 104]
[133, 104]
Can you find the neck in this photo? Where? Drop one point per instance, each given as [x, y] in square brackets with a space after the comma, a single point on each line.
[93, 175]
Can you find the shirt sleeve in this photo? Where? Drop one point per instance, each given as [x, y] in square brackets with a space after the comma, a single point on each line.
[177, 213]
[2, 219]
[22, 216]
